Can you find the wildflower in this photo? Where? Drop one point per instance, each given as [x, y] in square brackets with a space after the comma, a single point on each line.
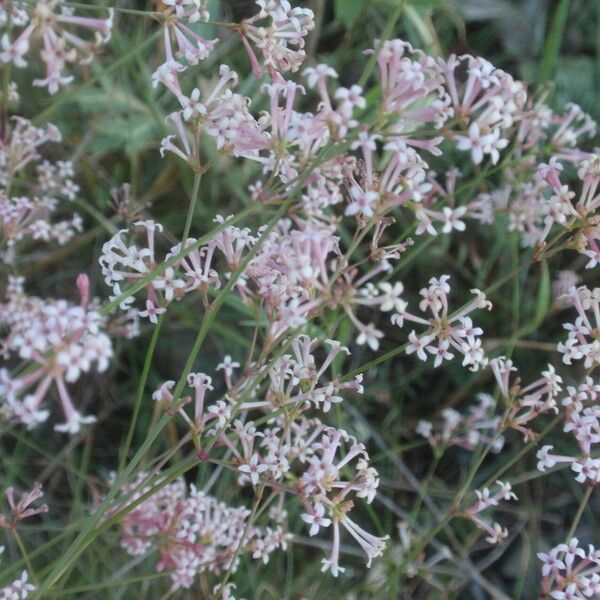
[477, 143]
[189, 45]
[322, 484]
[62, 39]
[316, 519]
[253, 469]
[19, 589]
[191, 531]
[49, 188]
[152, 311]
[485, 499]
[412, 93]
[369, 335]
[478, 426]
[569, 572]
[451, 331]
[280, 40]
[61, 341]
[21, 510]
[489, 101]
[580, 343]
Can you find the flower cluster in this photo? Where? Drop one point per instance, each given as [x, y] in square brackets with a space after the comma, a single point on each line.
[577, 216]
[290, 275]
[486, 499]
[570, 572]
[33, 190]
[177, 17]
[530, 191]
[486, 100]
[277, 31]
[582, 342]
[63, 36]
[582, 421]
[124, 261]
[525, 403]
[22, 510]
[454, 331]
[482, 426]
[342, 165]
[301, 268]
[412, 95]
[192, 531]
[478, 426]
[293, 455]
[60, 341]
[325, 494]
[19, 589]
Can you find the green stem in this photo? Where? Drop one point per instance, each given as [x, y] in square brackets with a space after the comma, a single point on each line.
[125, 11]
[6, 79]
[25, 555]
[45, 115]
[192, 208]
[385, 35]
[140, 391]
[425, 486]
[578, 515]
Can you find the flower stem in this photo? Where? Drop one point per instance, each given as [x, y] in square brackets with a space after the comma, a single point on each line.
[582, 505]
[192, 208]
[25, 555]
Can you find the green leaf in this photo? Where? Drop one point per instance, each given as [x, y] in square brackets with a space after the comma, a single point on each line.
[133, 134]
[118, 100]
[348, 11]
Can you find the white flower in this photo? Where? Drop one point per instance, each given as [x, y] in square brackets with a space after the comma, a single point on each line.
[253, 469]
[551, 562]
[452, 219]
[316, 519]
[151, 311]
[418, 344]
[477, 143]
[390, 299]
[361, 202]
[441, 353]
[369, 335]
[74, 422]
[545, 461]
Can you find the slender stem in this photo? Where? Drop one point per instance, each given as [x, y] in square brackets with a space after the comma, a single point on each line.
[582, 505]
[425, 486]
[108, 584]
[25, 555]
[192, 208]
[510, 462]
[6, 82]
[92, 7]
[575, 523]
[43, 116]
[385, 35]
[140, 391]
